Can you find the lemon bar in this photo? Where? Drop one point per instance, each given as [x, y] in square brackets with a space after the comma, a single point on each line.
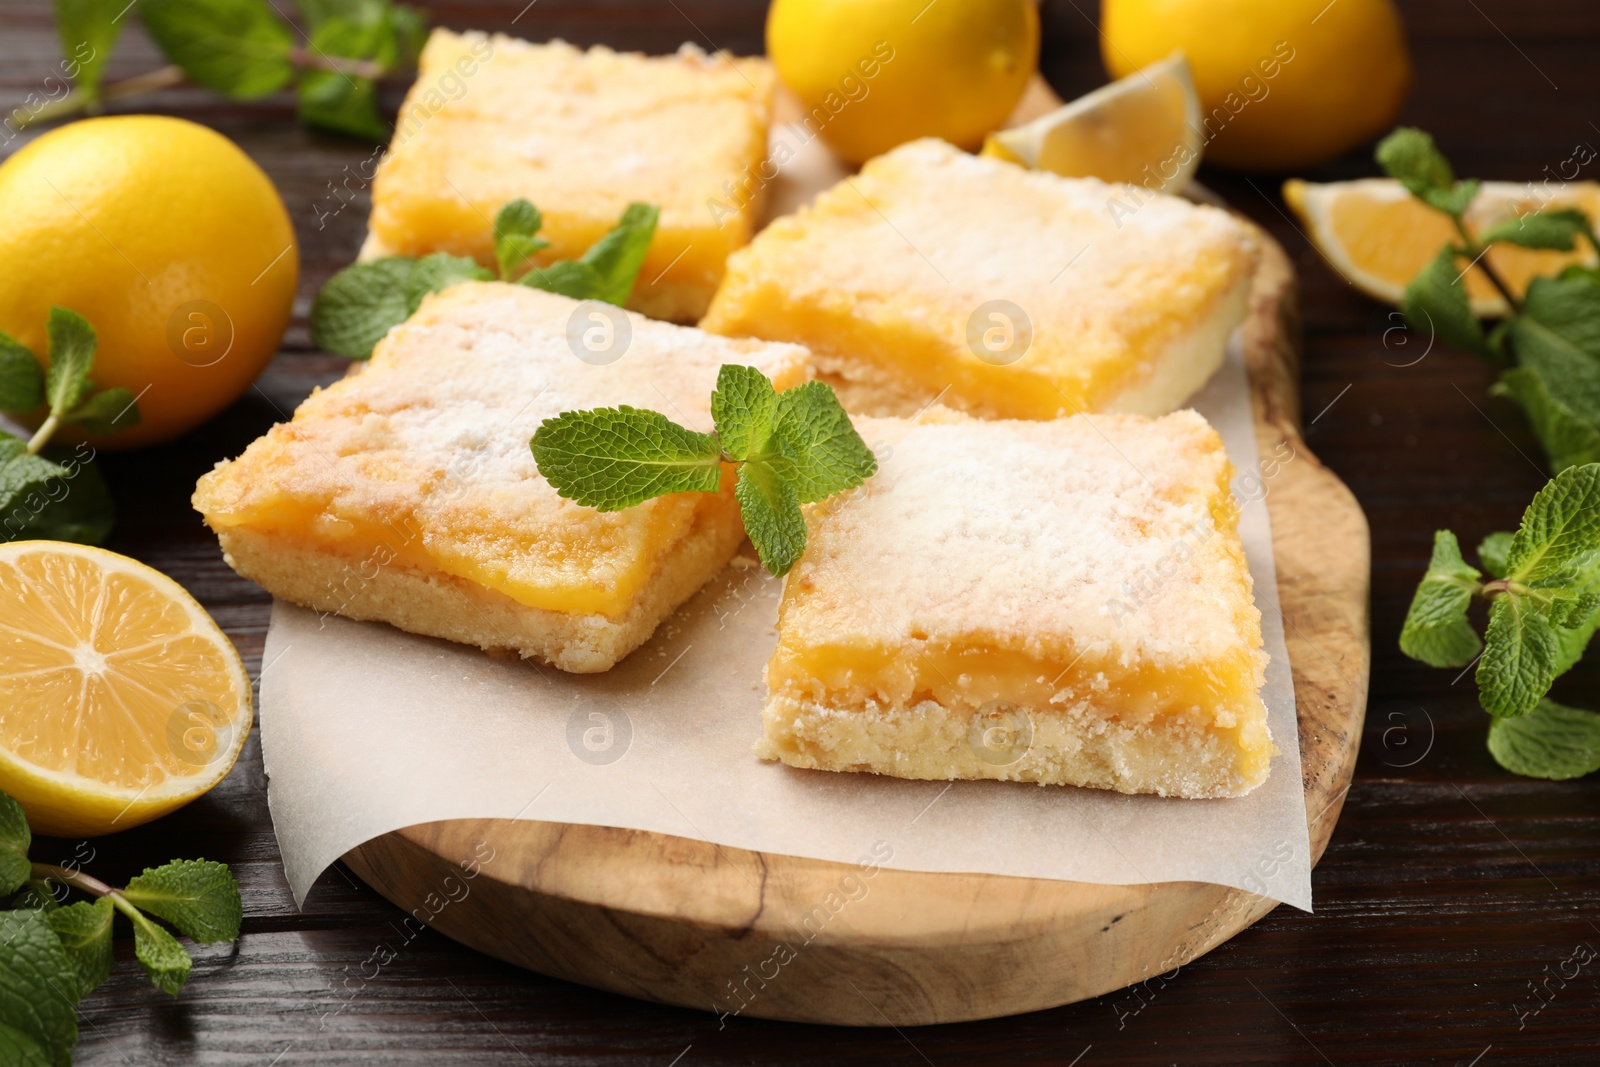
[407, 492]
[580, 133]
[1004, 292]
[1064, 602]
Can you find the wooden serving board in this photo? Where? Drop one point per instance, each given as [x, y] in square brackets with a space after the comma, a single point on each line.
[687, 922]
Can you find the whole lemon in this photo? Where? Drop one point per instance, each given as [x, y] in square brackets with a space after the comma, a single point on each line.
[873, 74]
[169, 240]
[1283, 84]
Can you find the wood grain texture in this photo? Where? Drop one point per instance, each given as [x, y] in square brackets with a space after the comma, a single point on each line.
[697, 924]
[1448, 890]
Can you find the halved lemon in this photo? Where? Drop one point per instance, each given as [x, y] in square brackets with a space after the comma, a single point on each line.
[1379, 236]
[1144, 129]
[120, 700]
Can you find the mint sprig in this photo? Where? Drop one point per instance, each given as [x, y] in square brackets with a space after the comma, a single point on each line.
[791, 448]
[51, 956]
[364, 301]
[57, 494]
[1552, 741]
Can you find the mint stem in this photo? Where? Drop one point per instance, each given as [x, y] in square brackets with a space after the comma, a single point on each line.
[1476, 258]
[76, 879]
[77, 101]
[360, 68]
[41, 437]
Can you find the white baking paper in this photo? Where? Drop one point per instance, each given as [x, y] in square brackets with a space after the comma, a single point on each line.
[365, 729]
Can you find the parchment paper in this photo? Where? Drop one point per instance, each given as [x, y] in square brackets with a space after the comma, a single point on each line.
[365, 729]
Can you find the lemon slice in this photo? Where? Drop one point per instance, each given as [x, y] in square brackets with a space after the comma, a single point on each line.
[120, 700]
[1379, 236]
[1144, 129]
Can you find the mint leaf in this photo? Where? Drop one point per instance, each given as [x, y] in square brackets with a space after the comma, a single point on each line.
[826, 455]
[614, 458]
[515, 226]
[199, 897]
[340, 103]
[164, 960]
[772, 517]
[54, 497]
[1492, 553]
[239, 48]
[36, 987]
[1566, 420]
[617, 257]
[363, 302]
[1555, 230]
[88, 31]
[1410, 157]
[21, 380]
[106, 412]
[1568, 308]
[1559, 538]
[84, 929]
[15, 839]
[1552, 741]
[19, 1050]
[565, 277]
[1436, 630]
[1436, 303]
[1519, 657]
[72, 344]
[744, 409]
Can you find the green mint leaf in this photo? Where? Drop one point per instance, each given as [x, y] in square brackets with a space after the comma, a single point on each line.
[88, 31]
[37, 984]
[1410, 157]
[1574, 612]
[84, 929]
[1566, 420]
[106, 412]
[1562, 311]
[1552, 741]
[617, 257]
[1555, 230]
[1559, 538]
[164, 960]
[1436, 630]
[1572, 640]
[340, 103]
[826, 455]
[516, 225]
[318, 13]
[19, 1050]
[239, 48]
[15, 839]
[1492, 553]
[566, 277]
[21, 380]
[199, 897]
[363, 302]
[772, 517]
[72, 344]
[34, 896]
[58, 496]
[744, 409]
[1519, 657]
[409, 29]
[614, 458]
[1436, 303]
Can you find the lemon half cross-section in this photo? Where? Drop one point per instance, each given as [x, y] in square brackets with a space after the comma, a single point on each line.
[1144, 130]
[120, 700]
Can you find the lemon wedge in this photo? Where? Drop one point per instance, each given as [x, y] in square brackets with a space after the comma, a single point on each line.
[1144, 129]
[1379, 237]
[120, 700]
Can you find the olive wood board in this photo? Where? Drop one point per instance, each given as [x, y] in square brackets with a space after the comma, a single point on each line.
[689, 922]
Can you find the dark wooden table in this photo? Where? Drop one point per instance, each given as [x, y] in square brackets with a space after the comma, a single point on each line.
[1451, 888]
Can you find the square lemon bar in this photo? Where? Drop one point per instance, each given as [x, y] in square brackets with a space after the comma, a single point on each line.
[580, 133]
[1004, 292]
[1063, 602]
[407, 492]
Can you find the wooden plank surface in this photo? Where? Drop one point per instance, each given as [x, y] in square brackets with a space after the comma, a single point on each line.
[1448, 887]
